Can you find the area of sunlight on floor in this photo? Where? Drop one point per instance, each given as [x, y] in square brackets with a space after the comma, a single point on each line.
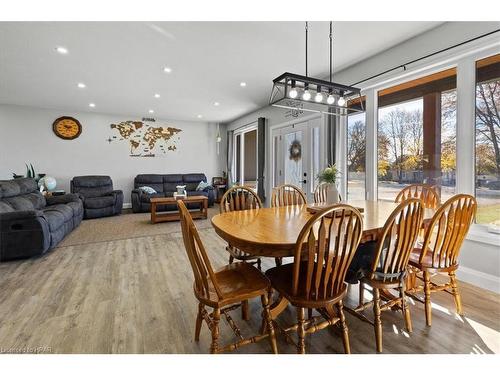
[490, 337]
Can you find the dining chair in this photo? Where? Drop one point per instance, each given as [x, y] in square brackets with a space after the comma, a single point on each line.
[426, 193]
[440, 249]
[287, 195]
[321, 193]
[389, 266]
[223, 290]
[315, 279]
[240, 198]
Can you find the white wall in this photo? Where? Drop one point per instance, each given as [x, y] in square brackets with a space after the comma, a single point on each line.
[26, 136]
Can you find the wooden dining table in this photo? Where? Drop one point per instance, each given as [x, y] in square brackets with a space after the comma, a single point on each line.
[272, 232]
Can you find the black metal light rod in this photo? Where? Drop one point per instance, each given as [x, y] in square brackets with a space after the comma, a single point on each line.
[316, 81]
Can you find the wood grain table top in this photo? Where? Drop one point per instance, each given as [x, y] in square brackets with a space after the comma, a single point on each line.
[274, 231]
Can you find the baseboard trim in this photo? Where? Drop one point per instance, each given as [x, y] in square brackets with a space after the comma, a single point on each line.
[480, 279]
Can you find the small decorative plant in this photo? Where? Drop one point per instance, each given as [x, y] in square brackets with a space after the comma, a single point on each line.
[329, 174]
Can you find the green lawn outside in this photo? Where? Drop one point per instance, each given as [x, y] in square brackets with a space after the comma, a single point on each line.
[488, 214]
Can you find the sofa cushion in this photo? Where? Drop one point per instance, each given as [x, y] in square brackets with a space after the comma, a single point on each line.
[171, 186]
[92, 181]
[194, 177]
[192, 180]
[152, 180]
[26, 202]
[54, 218]
[100, 202]
[147, 189]
[175, 178]
[147, 197]
[92, 186]
[4, 207]
[65, 210]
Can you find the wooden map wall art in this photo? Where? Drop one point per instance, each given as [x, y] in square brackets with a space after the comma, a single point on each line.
[145, 140]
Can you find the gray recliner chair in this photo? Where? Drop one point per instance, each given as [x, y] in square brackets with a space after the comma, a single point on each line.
[99, 198]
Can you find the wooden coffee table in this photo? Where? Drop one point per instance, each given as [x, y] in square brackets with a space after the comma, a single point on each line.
[157, 217]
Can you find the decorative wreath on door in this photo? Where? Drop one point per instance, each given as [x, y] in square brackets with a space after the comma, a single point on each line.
[295, 151]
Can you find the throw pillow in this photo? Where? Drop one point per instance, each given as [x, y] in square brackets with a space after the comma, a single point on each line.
[203, 185]
[147, 189]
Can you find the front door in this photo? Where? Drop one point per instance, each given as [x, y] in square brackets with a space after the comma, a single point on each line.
[296, 155]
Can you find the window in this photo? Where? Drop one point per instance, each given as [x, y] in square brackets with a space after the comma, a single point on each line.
[417, 135]
[356, 153]
[487, 176]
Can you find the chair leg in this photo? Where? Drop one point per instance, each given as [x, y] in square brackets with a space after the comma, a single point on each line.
[259, 264]
[377, 322]
[199, 321]
[404, 307]
[343, 326]
[244, 310]
[309, 313]
[361, 293]
[301, 347]
[269, 323]
[427, 293]
[456, 293]
[231, 259]
[214, 347]
[278, 261]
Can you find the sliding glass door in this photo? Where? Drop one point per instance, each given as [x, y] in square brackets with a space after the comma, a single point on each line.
[246, 158]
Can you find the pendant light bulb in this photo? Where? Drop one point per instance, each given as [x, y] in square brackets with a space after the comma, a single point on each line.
[318, 98]
[306, 95]
[293, 93]
[331, 99]
[341, 101]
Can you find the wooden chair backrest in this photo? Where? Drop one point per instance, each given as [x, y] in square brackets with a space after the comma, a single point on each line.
[397, 240]
[239, 198]
[200, 263]
[321, 193]
[287, 195]
[447, 230]
[426, 193]
[324, 250]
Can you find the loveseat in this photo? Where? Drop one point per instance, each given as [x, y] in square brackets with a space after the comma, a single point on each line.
[30, 223]
[165, 186]
[98, 196]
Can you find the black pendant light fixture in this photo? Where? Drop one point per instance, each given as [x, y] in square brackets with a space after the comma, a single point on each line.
[299, 92]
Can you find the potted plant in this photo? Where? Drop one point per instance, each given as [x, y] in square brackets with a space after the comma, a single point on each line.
[329, 176]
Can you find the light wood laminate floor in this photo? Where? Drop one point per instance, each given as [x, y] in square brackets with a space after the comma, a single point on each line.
[135, 296]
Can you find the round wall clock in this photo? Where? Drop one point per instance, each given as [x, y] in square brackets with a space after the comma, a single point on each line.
[67, 127]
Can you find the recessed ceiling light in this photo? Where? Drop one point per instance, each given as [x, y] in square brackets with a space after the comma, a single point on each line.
[167, 69]
[199, 116]
[82, 85]
[157, 96]
[243, 84]
[62, 50]
[151, 111]
[92, 105]
[216, 104]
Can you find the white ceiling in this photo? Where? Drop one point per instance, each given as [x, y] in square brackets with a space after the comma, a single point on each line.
[122, 63]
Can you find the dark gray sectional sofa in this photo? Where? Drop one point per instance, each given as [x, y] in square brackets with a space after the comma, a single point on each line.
[165, 186]
[31, 224]
[98, 196]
